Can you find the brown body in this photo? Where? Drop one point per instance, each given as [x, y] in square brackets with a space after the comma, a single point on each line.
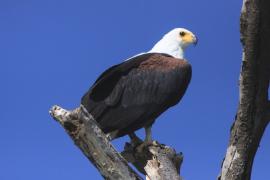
[133, 94]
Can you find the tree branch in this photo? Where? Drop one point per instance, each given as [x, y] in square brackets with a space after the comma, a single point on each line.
[156, 161]
[250, 121]
[83, 130]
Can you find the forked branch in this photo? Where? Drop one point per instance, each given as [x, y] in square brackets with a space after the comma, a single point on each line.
[83, 130]
[156, 161]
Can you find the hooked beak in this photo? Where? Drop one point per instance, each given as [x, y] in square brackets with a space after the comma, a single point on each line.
[195, 40]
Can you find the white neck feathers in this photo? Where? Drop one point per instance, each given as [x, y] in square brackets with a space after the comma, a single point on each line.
[169, 45]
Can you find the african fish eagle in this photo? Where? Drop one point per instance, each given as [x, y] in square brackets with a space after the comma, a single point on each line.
[132, 94]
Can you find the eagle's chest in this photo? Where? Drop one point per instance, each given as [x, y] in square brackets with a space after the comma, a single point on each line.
[165, 79]
[159, 81]
[162, 64]
[165, 74]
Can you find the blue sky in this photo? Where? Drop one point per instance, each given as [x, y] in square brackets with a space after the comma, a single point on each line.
[53, 50]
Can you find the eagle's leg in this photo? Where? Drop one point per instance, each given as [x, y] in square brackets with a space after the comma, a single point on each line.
[148, 139]
[148, 134]
[135, 140]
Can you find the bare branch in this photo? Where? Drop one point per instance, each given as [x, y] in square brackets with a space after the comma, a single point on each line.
[84, 131]
[155, 160]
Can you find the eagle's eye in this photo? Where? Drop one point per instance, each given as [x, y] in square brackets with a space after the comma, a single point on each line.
[182, 33]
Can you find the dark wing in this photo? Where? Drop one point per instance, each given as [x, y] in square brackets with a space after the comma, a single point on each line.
[127, 89]
[108, 79]
[94, 99]
[150, 86]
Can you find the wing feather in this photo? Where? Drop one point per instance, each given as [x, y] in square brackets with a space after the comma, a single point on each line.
[126, 86]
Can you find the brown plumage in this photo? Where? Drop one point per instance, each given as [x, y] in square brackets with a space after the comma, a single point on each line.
[131, 95]
[162, 62]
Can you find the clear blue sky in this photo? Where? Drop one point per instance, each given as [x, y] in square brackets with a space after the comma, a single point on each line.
[51, 51]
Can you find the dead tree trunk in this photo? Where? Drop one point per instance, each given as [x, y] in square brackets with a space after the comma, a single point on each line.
[156, 161]
[254, 107]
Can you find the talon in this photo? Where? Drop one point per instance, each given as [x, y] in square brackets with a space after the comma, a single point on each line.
[108, 137]
[135, 140]
[144, 145]
[155, 143]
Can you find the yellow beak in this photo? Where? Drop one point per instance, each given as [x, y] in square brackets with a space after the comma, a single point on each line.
[190, 39]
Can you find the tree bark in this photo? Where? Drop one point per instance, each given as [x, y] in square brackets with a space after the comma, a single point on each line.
[253, 110]
[156, 161]
[83, 130]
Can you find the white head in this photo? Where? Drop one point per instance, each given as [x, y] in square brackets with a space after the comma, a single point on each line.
[175, 42]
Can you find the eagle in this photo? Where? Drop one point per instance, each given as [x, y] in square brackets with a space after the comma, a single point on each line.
[131, 95]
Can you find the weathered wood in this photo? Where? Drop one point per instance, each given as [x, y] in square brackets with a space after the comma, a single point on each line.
[84, 131]
[156, 161]
[162, 165]
[251, 119]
